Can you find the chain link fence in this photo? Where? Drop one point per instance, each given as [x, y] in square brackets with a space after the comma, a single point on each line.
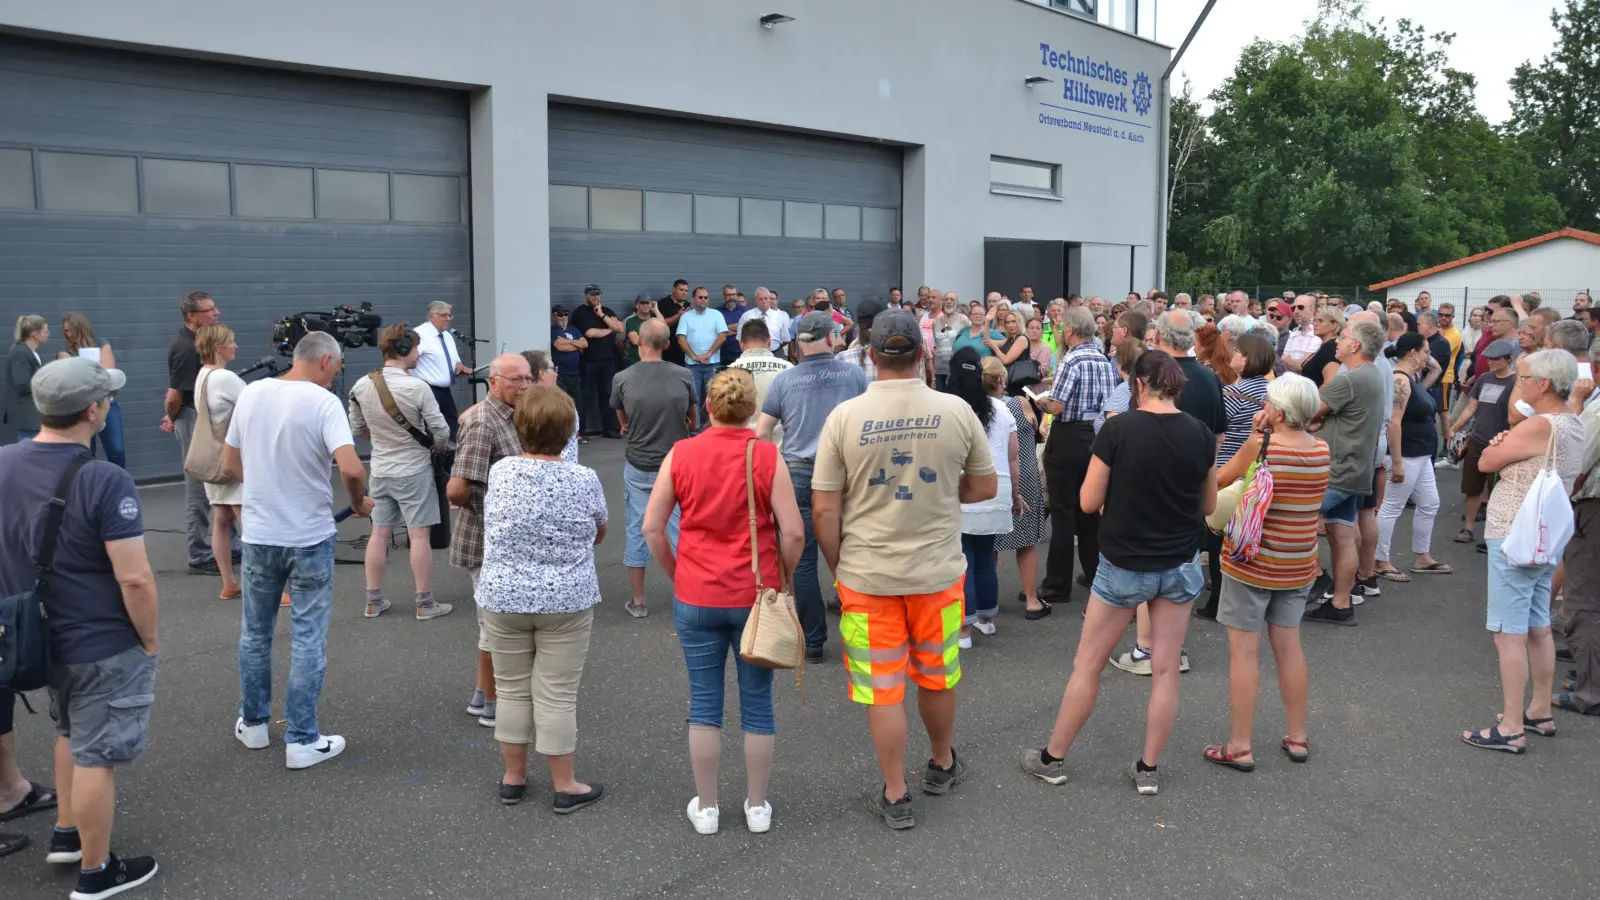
[1264, 292]
[1464, 299]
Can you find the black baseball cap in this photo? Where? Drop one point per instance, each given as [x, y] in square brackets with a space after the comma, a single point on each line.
[896, 332]
[558, 310]
[869, 310]
[591, 289]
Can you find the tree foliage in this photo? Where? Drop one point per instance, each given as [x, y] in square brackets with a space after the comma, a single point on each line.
[1555, 106]
[1351, 154]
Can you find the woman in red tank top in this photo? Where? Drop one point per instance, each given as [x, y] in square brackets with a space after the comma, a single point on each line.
[714, 582]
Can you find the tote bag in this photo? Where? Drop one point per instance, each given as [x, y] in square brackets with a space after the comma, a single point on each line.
[1544, 523]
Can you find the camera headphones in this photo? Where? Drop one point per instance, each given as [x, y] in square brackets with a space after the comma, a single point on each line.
[403, 345]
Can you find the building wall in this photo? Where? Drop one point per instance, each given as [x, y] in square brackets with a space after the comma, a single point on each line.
[942, 77]
[1556, 269]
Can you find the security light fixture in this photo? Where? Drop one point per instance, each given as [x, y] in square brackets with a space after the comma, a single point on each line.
[771, 19]
[1036, 80]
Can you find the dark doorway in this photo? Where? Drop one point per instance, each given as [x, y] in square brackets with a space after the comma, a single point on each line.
[1008, 265]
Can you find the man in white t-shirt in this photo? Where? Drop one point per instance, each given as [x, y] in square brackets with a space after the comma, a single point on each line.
[285, 434]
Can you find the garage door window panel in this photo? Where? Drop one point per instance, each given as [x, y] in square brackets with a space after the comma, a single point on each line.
[842, 223]
[16, 179]
[348, 194]
[611, 209]
[186, 188]
[83, 182]
[716, 215]
[667, 212]
[569, 206]
[427, 198]
[878, 225]
[273, 192]
[761, 218]
[802, 220]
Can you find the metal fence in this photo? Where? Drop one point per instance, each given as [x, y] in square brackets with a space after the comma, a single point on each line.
[1468, 298]
[1350, 293]
[1465, 299]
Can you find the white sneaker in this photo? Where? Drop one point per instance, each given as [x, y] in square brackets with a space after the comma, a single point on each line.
[984, 626]
[1133, 665]
[758, 820]
[253, 736]
[703, 820]
[304, 756]
[964, 643]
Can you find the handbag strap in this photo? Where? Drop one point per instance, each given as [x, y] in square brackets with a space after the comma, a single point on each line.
[202, 406]
[750, 503]
[380, 384]
[57, 510]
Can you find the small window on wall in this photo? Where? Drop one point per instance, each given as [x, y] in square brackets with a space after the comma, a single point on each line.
[611, 209]
[878, 224]
[1019, 176]
[802, 220]
[716, 215]
[272, 192]
[16, 179]
[842, 223]
[186, 188]
[427, 198]
[761, 218]
[672, 213]
[569, 206]
[85, 182]
[345, 194]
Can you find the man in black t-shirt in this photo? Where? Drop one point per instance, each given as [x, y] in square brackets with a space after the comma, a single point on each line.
[600, 326]
[183, 366]
[671, 308]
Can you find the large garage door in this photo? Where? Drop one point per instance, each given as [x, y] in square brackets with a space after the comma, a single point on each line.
[637, 201]
[127, 180]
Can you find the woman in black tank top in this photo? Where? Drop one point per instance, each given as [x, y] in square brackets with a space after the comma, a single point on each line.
[1412, 478]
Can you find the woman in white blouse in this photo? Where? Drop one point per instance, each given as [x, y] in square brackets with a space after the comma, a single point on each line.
[981, 383]
[542, 517]
[216, 390]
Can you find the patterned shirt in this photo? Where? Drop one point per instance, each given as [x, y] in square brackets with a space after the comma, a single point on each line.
[541, 518]
[487, 436]
[858, 356]
[1083, 383]
[1287, 559]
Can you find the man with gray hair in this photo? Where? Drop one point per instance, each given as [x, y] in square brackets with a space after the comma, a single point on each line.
[284, 435]
[439, 360]
[1083, 383]
[766, 309]
[1351, 419]
[1182, 301]
[1581, 607]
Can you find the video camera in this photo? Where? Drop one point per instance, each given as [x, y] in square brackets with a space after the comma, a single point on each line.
[352, 326]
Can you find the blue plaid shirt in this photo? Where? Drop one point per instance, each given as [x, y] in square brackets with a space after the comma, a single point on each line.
[1083, 383]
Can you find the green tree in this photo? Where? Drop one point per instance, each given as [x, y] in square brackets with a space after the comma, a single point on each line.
[1554, 108]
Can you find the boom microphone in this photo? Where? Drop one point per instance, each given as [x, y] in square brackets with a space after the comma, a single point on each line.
[266, 362]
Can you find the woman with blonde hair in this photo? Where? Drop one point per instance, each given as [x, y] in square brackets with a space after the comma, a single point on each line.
[216, 391]
[23, 360]
[713, 572]
[542, 517]
[78, 333]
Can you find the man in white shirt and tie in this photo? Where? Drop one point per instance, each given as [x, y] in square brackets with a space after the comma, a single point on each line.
[766, 309]
[439, 361]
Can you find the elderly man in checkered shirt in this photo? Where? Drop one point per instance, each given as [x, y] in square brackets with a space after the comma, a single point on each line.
[1084, 381]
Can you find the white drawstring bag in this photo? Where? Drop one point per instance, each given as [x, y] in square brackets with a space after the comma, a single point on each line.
[1544, 522]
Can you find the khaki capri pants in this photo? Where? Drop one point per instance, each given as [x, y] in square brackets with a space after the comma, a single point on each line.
[538, 662]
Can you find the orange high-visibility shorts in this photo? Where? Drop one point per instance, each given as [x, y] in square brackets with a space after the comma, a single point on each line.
[883, 635]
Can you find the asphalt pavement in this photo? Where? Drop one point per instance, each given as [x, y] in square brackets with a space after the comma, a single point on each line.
[1392, 803]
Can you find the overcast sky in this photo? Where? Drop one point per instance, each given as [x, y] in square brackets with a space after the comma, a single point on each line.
[1492, 38]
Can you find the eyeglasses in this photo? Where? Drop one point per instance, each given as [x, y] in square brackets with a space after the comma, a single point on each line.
[517, 379]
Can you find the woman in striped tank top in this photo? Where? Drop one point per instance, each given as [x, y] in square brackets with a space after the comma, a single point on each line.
[1270, 590]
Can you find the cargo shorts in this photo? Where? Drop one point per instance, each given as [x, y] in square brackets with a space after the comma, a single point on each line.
[885, 636]
[102, 708]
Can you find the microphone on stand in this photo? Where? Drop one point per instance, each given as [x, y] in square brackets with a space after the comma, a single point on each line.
[468, 339]
[266, 362]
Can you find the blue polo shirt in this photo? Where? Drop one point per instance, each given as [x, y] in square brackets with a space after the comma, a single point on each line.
[702, 328]
[565, 363]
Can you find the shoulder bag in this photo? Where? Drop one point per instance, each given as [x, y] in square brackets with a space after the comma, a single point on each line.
[1544, 521]
[772, 636]
[1228, 498]
[204, 459]
[443, 460]
[24, 635]
[1022, 373]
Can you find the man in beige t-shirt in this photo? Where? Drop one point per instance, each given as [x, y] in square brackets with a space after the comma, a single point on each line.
[893, 468]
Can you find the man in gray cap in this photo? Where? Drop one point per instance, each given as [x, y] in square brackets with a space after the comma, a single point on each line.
[1488, 408]
[799, 400]
[100, 596]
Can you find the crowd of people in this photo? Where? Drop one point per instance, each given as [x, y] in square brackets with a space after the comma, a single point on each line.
[1175, 450]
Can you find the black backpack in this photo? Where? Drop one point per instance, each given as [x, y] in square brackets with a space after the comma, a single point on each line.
[24, 633]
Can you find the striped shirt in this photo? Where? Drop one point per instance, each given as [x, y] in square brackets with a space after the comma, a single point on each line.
[1241, 414]
[1083, 383]
[1288, 557]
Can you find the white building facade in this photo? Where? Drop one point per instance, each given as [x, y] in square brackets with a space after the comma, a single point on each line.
[1557, 266]
[501, 154]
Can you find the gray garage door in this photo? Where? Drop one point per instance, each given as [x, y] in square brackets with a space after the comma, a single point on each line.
[637, 201]
[127, 180]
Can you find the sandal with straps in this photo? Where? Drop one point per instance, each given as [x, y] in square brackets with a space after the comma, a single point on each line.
[1218, 753]
[1297, 751]
[1495, 740]
[1545, 727]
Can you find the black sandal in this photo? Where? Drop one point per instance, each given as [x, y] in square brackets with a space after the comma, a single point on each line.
[37, 799]
[1036, 614]
[1545, 727]
[1496, 740]
[11, 843]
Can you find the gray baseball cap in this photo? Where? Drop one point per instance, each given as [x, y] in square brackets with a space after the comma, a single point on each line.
[1500, 349]
[814, 326]
[896, 332]
[69, 386]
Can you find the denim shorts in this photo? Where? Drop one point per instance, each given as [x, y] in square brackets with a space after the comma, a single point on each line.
[102, 708]
[1519, 596]
[636, 485]
[1340, 507]
[1125, 589]
[706, 634]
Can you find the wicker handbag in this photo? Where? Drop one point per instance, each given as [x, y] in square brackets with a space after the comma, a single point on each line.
[772, 636]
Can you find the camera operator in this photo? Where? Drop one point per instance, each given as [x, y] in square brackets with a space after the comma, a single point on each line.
[438, 360]
[284, 434]
[401, 487]
[183, 367]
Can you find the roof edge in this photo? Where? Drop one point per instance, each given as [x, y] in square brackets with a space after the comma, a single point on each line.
[1587, 237]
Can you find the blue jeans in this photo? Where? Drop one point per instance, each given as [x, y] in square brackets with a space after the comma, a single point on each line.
[112, 435]
[307, 572]
[706, 634]
[807, 590]
[983, 580]
[637, 484]
[702, 379]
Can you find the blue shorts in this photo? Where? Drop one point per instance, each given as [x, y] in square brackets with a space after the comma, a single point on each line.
[1125, 589]
[1519, 596]
[1339, 507]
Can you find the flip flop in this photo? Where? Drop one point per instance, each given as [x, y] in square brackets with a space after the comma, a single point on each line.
[1218, 753]
[11, 843]
[36, 800]
[1394, 575]
[1437, 568]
